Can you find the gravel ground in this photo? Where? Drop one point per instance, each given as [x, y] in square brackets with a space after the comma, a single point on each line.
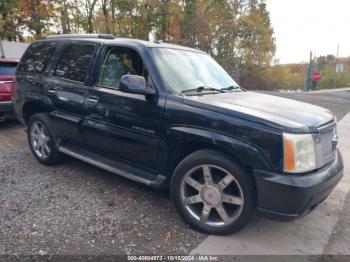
[75, 208]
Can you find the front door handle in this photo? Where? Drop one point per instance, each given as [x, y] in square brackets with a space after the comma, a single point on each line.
[52, 91]
[92, 100]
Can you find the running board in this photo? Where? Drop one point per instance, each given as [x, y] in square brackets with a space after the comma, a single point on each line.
[113, 166]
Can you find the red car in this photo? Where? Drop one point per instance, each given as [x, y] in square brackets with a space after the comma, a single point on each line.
[7, 85]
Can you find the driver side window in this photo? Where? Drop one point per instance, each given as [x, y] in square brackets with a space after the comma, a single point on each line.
[119, 61]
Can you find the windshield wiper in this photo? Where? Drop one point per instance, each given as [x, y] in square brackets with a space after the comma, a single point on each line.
[230, 88]
[201, 89]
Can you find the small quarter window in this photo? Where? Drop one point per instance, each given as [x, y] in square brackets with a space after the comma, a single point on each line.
[75, 62]
[37, 58]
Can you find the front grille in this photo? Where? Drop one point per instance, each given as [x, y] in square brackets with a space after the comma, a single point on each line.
[326, 144]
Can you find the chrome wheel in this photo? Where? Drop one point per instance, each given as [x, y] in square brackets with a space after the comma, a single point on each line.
[40, 140]
[212, 195]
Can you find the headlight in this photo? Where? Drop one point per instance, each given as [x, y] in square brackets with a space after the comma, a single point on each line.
[299, 153]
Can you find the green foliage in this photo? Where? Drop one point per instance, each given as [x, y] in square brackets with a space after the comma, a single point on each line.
[292, 76]
[237, 33]
[284, 77]
[323, 61]
[36, 16]
[328, 74]
[9, 19]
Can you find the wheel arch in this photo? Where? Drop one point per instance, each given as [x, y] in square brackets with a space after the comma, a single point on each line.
[188, 140]
[33, 107]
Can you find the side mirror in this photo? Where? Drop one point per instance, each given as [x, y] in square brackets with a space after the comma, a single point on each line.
[135, 85]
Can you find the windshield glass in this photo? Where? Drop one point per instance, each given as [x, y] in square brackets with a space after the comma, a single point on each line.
[184, 70]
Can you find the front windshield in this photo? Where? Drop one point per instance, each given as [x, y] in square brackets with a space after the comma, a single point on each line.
[185, 70]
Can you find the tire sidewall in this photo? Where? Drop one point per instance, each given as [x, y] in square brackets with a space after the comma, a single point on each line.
[43, 119]
[242, 176]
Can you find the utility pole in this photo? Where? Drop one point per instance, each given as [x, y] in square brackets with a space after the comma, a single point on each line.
[2, 50]
[335, 69]
[237, 72]
[307, 86]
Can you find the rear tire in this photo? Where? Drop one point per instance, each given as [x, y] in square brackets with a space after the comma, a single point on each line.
[42, 140]
[212, 193]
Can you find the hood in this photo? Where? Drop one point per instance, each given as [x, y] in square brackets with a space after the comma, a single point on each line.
[281, 113]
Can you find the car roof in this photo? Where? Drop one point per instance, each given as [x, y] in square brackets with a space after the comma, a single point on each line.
[110, 40]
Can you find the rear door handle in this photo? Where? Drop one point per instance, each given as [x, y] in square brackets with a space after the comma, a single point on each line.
[92, 100]
[52, 91]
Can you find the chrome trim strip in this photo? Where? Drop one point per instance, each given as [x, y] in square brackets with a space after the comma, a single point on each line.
[326, 127]
[103, 166]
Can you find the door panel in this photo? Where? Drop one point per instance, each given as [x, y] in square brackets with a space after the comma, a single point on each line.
[67, 90]
[127, 127]
[68, 99]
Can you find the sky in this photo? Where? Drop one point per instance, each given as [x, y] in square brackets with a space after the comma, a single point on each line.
[302, 26]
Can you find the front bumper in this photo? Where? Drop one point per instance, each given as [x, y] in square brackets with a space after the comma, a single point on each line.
[285, 196]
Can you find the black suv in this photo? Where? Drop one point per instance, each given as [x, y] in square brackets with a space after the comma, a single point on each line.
[170, 116]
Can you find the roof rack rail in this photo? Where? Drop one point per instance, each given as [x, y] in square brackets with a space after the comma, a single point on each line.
[101, 36]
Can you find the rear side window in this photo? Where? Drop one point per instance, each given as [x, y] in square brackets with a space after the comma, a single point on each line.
[37, 58]
[8, 69]
[75, 62]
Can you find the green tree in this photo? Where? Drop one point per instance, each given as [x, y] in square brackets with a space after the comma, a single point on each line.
[36, 16]
[9, 20]
[237, 33]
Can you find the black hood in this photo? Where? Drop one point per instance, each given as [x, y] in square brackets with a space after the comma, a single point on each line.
[282, 113]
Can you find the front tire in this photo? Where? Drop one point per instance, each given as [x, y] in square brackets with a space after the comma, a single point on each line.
[212, 193]
[42, 140]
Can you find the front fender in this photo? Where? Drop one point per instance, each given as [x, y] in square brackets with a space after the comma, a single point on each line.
[247, 153]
